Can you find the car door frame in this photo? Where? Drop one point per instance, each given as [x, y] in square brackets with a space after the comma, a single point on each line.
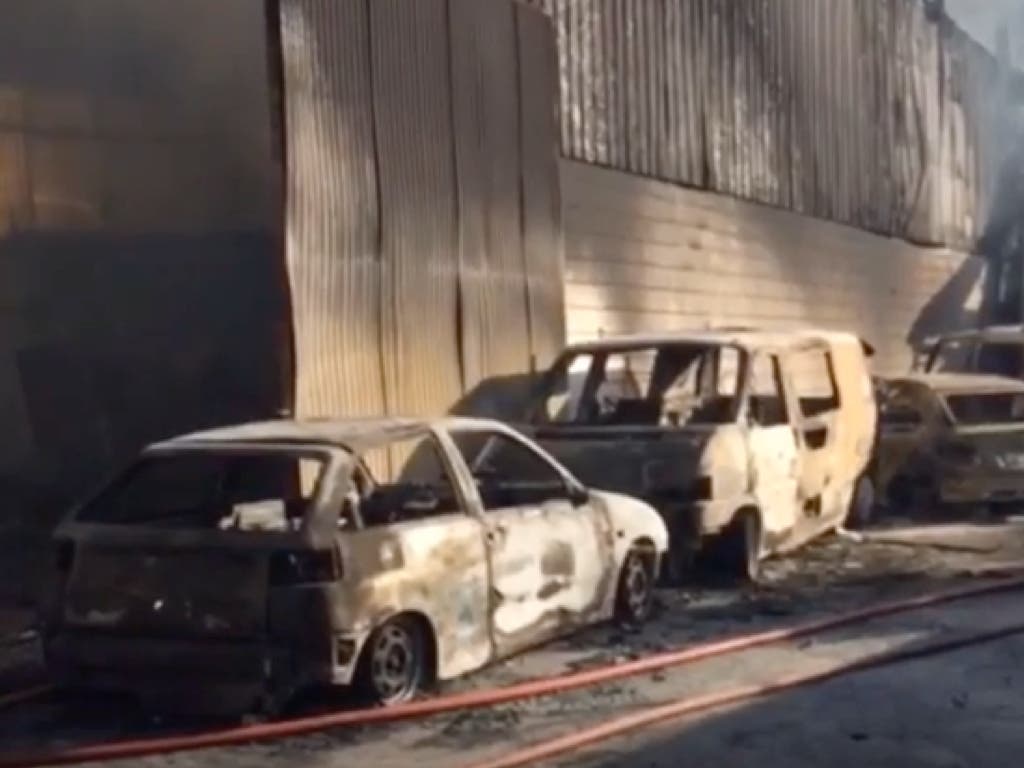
[777, 499]
[816, 464]
[497, 522]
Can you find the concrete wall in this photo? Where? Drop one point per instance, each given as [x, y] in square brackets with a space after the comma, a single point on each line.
[645, 255]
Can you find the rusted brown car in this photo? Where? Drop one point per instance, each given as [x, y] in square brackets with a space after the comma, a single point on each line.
[748, 442]
[229, 569]
[951, 439]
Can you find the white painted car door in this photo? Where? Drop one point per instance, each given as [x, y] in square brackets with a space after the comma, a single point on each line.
[545, 551]
[774, 452]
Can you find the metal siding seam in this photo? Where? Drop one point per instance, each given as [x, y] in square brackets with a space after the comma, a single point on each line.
[542, 248]
[781, 167]
[672, 93]
[418, 204]
[826, 93]
[642, 85]
[331, 215]
[466, 87]
[610, 62]
[712, 92]
[602, 153]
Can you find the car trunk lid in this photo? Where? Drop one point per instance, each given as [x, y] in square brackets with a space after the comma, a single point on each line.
[167, 590]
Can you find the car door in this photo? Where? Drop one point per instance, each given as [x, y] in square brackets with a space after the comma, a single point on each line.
[549, 552]
[809, 374]
[902, 433]
[774, 454]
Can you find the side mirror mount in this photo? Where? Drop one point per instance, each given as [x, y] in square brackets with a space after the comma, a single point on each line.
[578, 495]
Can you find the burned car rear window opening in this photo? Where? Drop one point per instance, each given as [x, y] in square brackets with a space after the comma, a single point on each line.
[654, 386]
[986, 408]
[267, 491]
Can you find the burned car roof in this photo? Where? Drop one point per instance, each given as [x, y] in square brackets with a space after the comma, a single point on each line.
[959, 382]
[357, 434]
[745, 338]
[990, 333]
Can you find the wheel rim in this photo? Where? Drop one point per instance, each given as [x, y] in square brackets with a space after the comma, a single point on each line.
[393, 663]
[637, 586]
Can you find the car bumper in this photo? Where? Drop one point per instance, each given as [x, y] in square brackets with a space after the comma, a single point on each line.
[199, 677]
[982, 489]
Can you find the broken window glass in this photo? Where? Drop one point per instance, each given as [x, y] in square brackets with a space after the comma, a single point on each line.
[506, 472]
[814, 382]
[987, 408]
[669, 385]
[250, 491]
[405, 480]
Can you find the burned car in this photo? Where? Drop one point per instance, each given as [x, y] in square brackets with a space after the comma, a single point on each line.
[747, 442]
[994, 349]
[951, 439]
[230, 569]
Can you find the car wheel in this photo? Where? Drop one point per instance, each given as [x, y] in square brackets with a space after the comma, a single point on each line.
[393, 663]
[862, 504]
[635, 594]
[901, 493]
[738, 548]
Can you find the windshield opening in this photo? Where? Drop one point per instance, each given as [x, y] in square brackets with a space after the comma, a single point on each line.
[989, 408]
[211, 490]
[1003, 358]
[667, 386]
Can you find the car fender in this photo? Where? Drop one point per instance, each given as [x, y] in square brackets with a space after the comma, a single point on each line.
[632, 519]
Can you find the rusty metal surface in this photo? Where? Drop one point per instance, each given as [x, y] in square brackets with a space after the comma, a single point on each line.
[485, 77]
[412, 120]
[420, 194]
[870, 113]
[332, 214]
[541, 199]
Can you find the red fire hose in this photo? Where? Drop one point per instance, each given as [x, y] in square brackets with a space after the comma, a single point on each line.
[677, 709]
[491, 697]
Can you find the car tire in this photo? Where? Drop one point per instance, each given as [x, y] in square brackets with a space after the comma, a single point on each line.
[862, 504]
[634, 595]
[901, 494]
[737, 551]
[393, 663]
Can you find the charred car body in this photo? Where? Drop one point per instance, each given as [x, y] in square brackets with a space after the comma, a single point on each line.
[949, 438]
[994, 349]
[232, 568]
[751, 442]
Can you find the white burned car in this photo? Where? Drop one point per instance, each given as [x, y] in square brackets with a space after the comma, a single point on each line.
[232, 568]
[747, 442]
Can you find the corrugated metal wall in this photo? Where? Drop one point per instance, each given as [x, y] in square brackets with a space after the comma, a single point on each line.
[420, 195]
[645, 255]
[876, 113]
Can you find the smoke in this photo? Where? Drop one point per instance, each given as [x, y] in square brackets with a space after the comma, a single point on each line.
[984, 20]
